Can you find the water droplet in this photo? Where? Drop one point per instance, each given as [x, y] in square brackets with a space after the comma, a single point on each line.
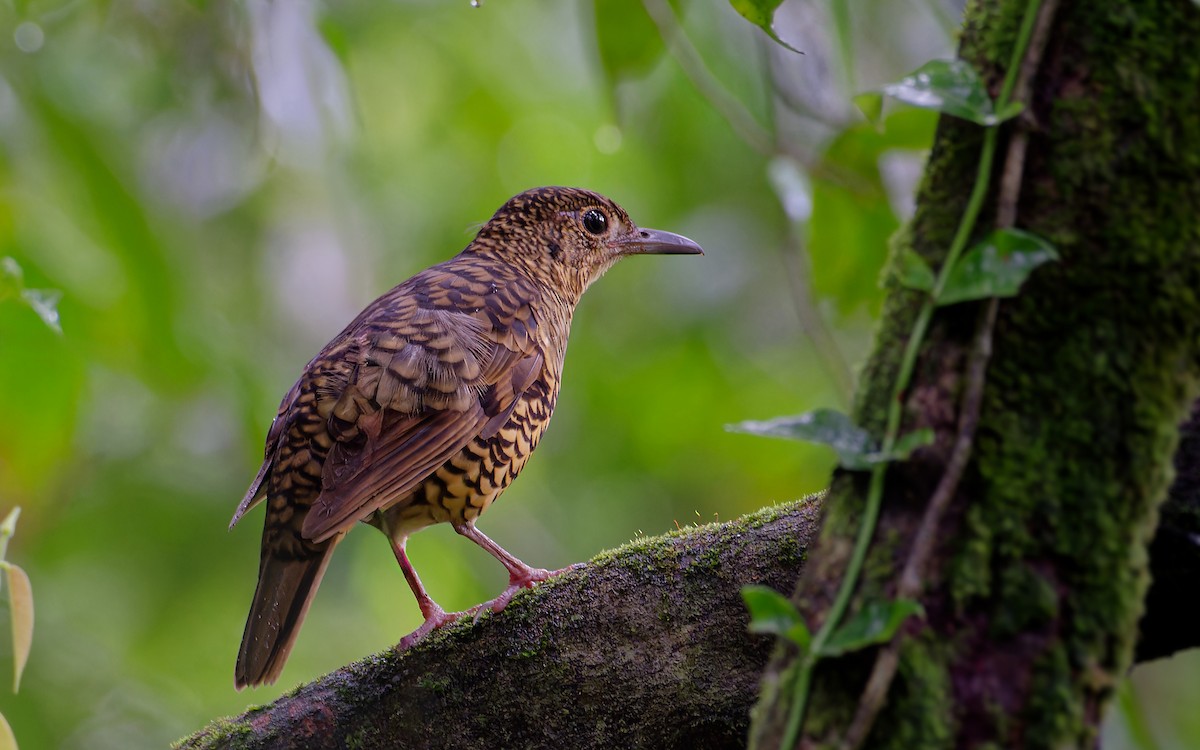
[29, 37]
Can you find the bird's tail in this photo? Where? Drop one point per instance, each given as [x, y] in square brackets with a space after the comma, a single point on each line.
[285, 589]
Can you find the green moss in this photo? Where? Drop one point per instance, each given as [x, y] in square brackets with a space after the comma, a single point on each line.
[970, 573]
[222, 732]
[921, 713]
[1029, 602]
[433, 684]
[1054, 717]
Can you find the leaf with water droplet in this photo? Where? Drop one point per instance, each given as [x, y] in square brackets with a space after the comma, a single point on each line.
[852, 443]
[948, 86]
[996, 266]
[855, 448]
[44, 302]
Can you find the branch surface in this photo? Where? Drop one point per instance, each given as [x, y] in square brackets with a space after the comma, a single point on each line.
[645, 647]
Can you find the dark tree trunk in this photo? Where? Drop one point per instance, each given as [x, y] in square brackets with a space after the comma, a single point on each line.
[1038, 577]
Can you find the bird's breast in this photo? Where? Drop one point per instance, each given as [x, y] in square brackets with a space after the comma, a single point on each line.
[465, 486]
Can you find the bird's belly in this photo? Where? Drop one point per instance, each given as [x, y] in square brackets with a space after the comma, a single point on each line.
[465, 486]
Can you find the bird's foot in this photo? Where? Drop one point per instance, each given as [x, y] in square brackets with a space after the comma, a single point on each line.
[524, 579]
[433, 620]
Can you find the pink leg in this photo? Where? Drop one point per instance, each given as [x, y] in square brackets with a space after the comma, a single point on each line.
[435, 616]
[520, 575]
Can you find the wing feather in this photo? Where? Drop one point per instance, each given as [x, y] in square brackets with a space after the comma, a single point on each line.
[426, 381]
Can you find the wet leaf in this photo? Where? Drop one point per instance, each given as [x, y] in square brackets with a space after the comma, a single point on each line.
[996, 267]
[20, 596]
[761, 13]
[44, 302]
[906, 444]
[875, 623]
[772, 612]
[856, 449]
[948, 86]
[852, 443]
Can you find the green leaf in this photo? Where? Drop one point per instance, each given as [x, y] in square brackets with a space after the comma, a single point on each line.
[996, 267]
[852, 443]
[906, 444]
[913, 272]
[948, 86]
[870, 103]
[44, 302]
[1009, 111]
[875, 623]
[20, 597]
[8, 740]
[761, 13]
[856, 449]
[772, 612]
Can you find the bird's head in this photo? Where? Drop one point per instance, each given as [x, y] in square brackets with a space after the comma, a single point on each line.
[568, 237]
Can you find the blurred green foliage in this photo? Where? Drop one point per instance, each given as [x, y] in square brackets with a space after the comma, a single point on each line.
[216, 188]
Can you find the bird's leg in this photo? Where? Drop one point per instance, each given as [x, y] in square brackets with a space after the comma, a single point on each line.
[435, 616]
[520, 575]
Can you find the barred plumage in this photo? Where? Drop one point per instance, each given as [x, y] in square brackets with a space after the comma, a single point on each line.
[427, 406]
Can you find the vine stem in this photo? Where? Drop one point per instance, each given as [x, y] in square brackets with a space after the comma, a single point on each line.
[908, 361]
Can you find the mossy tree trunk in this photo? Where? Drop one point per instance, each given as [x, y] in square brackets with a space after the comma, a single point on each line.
[1037, 580]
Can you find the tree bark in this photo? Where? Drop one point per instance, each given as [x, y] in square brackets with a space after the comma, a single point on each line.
[645, 647]
[1036, 585]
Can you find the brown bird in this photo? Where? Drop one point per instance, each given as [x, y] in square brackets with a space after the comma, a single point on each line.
[427, 405]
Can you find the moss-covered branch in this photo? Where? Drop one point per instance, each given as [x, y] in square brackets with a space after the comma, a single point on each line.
[645, 647]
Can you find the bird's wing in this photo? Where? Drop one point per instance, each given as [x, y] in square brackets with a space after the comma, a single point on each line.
[258, 488]
[425, 382]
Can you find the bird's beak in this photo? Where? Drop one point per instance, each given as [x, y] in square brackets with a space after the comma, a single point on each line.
[656, 242]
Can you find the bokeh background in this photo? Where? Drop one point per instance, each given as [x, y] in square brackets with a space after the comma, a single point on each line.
[216, 188]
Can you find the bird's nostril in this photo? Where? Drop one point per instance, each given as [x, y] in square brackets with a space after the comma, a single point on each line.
[644, 234]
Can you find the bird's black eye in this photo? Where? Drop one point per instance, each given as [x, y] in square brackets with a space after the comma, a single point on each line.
[595, 221]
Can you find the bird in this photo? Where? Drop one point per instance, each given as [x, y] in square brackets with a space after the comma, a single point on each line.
[427, 406]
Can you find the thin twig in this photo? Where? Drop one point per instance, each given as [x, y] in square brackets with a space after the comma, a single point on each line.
[911, 579]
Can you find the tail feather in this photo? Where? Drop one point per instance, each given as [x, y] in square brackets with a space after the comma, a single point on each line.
[285, 591]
